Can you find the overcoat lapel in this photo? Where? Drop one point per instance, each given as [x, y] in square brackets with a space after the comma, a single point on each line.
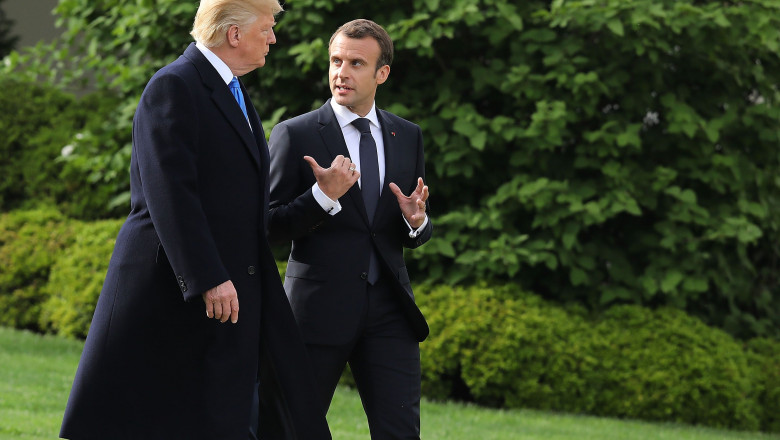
[333, 138]
[262, 147]
[224, 100]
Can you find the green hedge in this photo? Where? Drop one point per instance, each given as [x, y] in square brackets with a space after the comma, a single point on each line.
[76, 279]
[765, 355]
[504, 347]
[665, 365]
[30, 243]
[496, 346]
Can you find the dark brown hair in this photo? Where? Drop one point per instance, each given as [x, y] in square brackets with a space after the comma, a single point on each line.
[362, 28]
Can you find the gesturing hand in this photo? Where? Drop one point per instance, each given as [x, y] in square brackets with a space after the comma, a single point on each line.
[222, 302]
[337, 179]
[412, 207]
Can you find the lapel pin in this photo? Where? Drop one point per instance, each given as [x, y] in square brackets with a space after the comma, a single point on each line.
[392, 133]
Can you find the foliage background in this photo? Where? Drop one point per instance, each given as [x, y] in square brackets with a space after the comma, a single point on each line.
[599, 153]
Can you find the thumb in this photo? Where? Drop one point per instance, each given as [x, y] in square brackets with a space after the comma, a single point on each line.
[313, 164]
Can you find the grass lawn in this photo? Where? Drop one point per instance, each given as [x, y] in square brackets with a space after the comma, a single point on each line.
[36, 373]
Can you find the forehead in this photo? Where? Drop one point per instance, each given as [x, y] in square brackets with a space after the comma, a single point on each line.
[264, 20]
[347, 48]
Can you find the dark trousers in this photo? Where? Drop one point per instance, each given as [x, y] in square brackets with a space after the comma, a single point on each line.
[385, 362]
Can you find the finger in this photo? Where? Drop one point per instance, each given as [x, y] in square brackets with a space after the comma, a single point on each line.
[225, 310]
[234, 310]
[312, 163]
[420, 185]
[217, 310]
[396, 190]
[354, 176]
[209, 309]
[425, 194]
[338, 161]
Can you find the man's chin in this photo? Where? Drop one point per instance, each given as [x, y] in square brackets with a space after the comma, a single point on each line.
[340, 100]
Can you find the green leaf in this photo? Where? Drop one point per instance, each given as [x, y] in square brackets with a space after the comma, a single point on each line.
[616, 26]
[569, 236]
[578, 276]
[671, 280]
[509, 13]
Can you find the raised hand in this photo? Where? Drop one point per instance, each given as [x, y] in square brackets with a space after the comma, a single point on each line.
[413, 206]
[337, 179]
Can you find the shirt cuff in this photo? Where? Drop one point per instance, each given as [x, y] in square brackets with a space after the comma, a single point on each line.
[330, 206]
[413, 233]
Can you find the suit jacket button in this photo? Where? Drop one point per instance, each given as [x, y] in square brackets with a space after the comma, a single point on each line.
[363, 276]
[250, 270]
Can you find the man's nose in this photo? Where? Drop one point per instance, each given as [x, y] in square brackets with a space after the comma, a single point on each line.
[272, 37]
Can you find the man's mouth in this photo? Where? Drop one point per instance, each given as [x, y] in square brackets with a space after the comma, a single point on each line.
[342, 88]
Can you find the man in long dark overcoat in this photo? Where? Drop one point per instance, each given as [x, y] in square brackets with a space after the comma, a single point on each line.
[161, 360]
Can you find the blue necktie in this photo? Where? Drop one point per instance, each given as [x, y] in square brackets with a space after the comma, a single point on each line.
[369, 183]
[236, 89]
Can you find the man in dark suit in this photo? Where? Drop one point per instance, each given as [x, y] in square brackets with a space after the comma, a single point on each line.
[346, 278]
[160, 360]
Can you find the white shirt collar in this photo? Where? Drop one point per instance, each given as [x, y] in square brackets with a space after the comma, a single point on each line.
[222, 68]
[345, 117]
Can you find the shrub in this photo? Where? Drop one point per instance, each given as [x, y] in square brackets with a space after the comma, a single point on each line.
[509, 348]
[30, 242]
[95, 177]
[666, 365]
[36, 124]
[77, 278]
[48, 145]
[765, 356]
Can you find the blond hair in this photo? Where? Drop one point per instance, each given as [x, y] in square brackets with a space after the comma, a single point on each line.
[214, 17]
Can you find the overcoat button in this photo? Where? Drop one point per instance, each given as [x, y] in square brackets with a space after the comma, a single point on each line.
[250, 270]
[363, 276]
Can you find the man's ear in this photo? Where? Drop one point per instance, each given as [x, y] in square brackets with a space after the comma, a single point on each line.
[382, 74]
[233, 35]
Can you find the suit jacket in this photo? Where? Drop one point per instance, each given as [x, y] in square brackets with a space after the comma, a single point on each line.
[154, 366]
[328, 264]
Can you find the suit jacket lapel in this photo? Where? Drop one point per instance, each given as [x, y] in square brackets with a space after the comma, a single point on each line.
[224, 100]
[333, 138]
[387, 198]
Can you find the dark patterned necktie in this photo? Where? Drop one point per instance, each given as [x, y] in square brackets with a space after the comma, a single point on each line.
[369, 183]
